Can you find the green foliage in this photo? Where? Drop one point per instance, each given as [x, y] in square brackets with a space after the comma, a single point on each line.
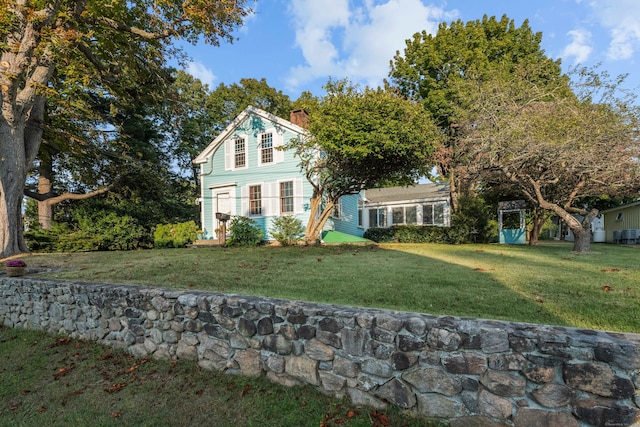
[244, 232]
[109, 232]
[430, 64]
[366, 137]
[478, 218]
[175, 235]
[417, 234]
[287, 230]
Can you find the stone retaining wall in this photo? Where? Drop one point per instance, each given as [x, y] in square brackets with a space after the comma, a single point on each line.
[470, 372]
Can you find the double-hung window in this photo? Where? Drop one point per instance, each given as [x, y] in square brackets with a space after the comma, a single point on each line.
[255, 200]
[286, 197]
[266, 148]
[240, 152]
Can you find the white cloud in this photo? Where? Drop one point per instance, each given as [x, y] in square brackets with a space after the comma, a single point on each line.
[580, 46]
[357, 42]
[622, 18]
[199, 71]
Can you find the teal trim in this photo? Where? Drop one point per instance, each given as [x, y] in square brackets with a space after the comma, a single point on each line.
[517, 236]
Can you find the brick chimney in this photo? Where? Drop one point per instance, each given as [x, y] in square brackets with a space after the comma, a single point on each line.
[300, 118]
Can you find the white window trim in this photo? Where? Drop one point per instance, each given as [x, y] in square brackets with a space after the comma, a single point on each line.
[230, 152]
[277, 141]
[246, 200]
[293, 196]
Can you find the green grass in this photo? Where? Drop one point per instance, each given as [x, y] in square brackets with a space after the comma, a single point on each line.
[547, 284]
[55, 381]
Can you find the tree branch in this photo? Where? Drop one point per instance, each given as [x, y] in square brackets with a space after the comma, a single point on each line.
[66, 196]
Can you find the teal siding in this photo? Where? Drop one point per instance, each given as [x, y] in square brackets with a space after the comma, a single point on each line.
[348, 221]
[218, 181]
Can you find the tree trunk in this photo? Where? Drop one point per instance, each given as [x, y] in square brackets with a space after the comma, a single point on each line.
[317, 218]
[582, 240]
[13, 173]
[536, 227]
[45, 209]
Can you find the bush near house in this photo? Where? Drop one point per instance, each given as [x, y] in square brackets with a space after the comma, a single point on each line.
[244, 231]
[175, 235]
[287, 230]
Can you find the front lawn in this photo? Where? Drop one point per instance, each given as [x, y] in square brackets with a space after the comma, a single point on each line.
[546, 284]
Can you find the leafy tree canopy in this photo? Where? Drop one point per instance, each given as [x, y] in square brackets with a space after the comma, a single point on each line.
[358, 138]
[53, 50]
[562, 152]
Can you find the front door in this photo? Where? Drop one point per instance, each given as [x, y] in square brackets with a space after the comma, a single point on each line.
[223, 205]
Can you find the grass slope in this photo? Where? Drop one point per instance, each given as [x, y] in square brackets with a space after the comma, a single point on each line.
[547, 284]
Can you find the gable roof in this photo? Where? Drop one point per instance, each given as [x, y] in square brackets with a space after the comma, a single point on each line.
[617, 208]
[413, 192]
[235, 123]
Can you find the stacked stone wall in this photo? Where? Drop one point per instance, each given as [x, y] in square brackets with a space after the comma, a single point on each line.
[468, 372]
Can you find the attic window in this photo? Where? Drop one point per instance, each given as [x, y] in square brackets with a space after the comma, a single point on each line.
[266, 148]
[240, 151]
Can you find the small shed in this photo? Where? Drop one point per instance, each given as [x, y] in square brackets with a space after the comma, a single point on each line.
[515, 234]
[622, 223]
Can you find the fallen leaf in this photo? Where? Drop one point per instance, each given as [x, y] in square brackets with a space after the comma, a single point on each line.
[42, 409]
[351, 414]
[115, 387]
[610, 270]
[23, 392]
[245, 390]
[606, 288]
[116, 415]
[62, 372]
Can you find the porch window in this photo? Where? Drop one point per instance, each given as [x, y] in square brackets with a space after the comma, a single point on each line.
[286, 197]
[255, 200]
[240, 152]
[433, 214]
[266, 148]
[397, 215]
[411, 215]
[378, 217]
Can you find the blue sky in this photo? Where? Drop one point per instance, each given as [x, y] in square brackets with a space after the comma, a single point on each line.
[297, 45]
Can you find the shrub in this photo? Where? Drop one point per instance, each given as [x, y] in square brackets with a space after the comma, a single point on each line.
[108, 232]
[287, 230]
[418, 234]
[244, 231]
[175, 235]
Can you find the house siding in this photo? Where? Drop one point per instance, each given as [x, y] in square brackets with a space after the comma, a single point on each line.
[348, 221]
[622, 218]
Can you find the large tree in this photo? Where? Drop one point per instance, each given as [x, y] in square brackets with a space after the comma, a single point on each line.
[105, 47]
[358, 139]
[431, 65]
[561, 151]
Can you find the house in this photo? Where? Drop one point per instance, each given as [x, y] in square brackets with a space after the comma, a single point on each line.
[622, 223]
[243, 173]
